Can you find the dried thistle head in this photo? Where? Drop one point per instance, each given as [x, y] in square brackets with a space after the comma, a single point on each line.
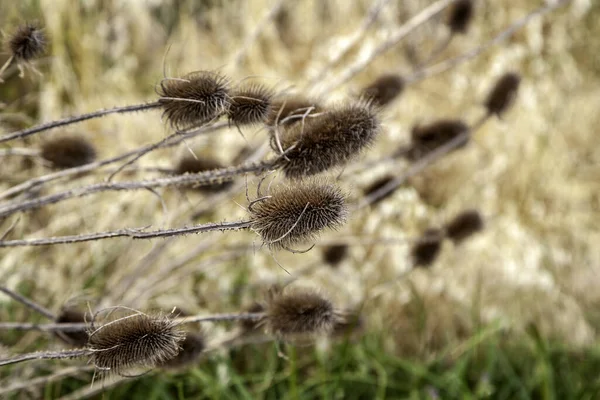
[503, 94]
[188, 164]
[68, 152]
[328, 140]
[191, 349]
[136, 340]
[72, 315]
[463, 225]
[195, 99]
[28, 42]
[333, 255]
[294, 214]
[298, 313]
[461, 14]
[289, 110]
[250, 105]
[427, 248]
[427, 138]
[378, 184]
[384, 89]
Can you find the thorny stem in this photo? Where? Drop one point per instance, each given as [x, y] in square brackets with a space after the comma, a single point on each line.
[29, 303]
[46, 355]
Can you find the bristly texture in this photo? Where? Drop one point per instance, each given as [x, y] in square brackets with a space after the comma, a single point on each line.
[460, 16]
[299, 313]
[69, 315]
[68, 152]
[137, 340]
[287, 111]
[191, 348]
[192, 165]
[378, 184]
[28, 42]
[329, 140]
[427, 138]
[250, 105]
[384, 89]
[427, 248]
[295, 214]
[335, 254]
[503, 95]
[195, 99]
[465, 224]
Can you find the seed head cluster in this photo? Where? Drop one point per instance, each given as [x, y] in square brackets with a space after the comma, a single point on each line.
[427, 138]
[503, 94]
[384, 89]
[250, 105]
[68, 152]
[192, 165]
[335, 254]
[72, 315]
[460, 16]
[464, 225]
[28, 42]
[427, 248]
[289, 110]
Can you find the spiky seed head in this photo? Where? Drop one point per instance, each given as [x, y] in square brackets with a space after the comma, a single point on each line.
[249, 325]
[460, 16]
[299, 312]
[328, 140]
[188, 164]
[427, 247]
[427, 138]
[503, 94]
[378, 184]
[463, 225]
[333, 255]
[295, 214]
[384, 89]
[191, 348]
[195, 99]
[136, 340]
[72, 315]
[289, 110]
[28, 42]
[68, 152]
[250, 105]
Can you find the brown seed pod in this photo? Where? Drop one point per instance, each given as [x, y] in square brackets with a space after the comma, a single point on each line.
[427, 138]
[327, 141]
[460, 16]
[250, 105]
[195, 99]
[503, 95]
[463, 225]
[289, 110]
[427, 248]
[189, 164]
[68, 152]
[384, 89]
[294, 214]
[27, 43]
[378, 184]
[191, 348]
[136, 340]
[70, 315]
[291, 313]
[335, 254]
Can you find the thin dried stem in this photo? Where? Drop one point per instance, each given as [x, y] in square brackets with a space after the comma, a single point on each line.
[42, 380]
[29, 303]
[45, 355]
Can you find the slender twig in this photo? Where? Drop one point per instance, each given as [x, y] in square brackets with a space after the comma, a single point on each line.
[45, 355]
[57, 375]
[29, 303]
[18, 151]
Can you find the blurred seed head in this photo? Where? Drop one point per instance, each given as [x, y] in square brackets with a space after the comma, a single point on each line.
[195, 99]
[383, 90]
[290, 110]
[191, 349]
[329, 140]
[349, 324]
[295, 214]
[250, 105]
[136, 340]
[28, 42]
[378, 184]
[427, 138]
[72, 315]
[335, 254]
[188, 164]
[249, 325]
[464, 225]
[503, 94]
[461, 14]
[427, 247]
[68, 152]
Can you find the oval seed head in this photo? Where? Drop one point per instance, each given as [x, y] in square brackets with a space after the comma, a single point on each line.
[195, 99]
[289, 110]
[378, 184]
[460, 16]
[68, 152]
[70, 315]
[384, 89]
[427, 138]
[295, 214]
[335, 254]
[427, 248]
[328, 140]
[463, 225]
[27, 43]
[191, 348]
[188, 164]
[250, 105]
[137, 340]
[503, 95]
[298, 312]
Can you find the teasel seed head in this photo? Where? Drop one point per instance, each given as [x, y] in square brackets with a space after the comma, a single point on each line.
[72, 315]
[192, 348]
[136, 340]
[461, 14]
[384, 89]
[297, 312]
[378, 184]
[28, 42]
[289, 110]
[295, 214]
[464, 225]
[250, 325]
[427, 247]
[329, 140]
[503, 94]
[250, 105]
[427, 138]
[188, 164]
[195, 99]
[333, 255]
[68, 152]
